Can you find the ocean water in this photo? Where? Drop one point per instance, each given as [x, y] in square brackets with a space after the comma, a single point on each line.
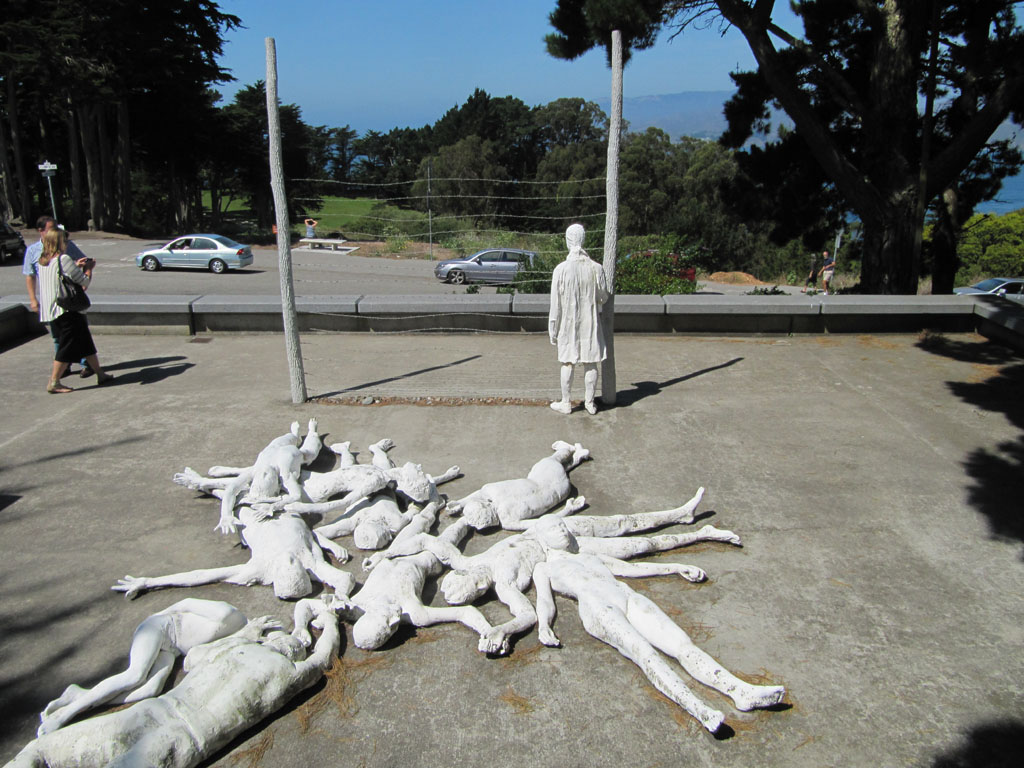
[1010, 197]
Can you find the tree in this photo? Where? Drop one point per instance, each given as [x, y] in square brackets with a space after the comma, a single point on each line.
[851, 86]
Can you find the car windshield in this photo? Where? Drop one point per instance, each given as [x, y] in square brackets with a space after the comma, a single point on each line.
[227, 241]
[990, 284]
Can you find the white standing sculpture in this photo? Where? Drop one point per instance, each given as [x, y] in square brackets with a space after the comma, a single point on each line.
[156, 643]
[285, 553]
[230, 685]
[509, 503]
[277, 466]
[614, 613]
[508, 565]
[393, 591]
[578, 290]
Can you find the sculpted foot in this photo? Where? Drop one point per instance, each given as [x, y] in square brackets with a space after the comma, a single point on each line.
[561, 406]
[710, 533]
[758, 697]
[591, 407]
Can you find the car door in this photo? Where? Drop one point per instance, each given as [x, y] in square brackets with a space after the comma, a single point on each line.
[1012, 290]
[505, 270]
[203, 250]
[489, 268]
[177, 254]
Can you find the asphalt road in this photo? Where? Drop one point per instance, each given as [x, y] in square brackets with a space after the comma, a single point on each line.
[315, 273]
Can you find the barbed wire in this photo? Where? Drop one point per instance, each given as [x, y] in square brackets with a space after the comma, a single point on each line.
[464, 197]
[440, 179]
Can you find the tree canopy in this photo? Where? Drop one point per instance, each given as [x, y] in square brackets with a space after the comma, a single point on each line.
[892, 99]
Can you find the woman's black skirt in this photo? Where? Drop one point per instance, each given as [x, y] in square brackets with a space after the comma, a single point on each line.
[71, 333]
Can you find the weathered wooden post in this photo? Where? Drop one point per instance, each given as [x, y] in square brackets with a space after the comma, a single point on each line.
[611, 222]
[284, 249]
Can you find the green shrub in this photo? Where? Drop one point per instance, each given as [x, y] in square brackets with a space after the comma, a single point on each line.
[654, 275]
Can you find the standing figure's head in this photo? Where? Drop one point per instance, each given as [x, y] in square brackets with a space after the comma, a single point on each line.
[574, 236]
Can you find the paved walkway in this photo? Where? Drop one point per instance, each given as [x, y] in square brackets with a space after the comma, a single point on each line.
[875, 482]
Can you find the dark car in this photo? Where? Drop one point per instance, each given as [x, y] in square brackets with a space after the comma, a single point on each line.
[491, 265]
[11, 242]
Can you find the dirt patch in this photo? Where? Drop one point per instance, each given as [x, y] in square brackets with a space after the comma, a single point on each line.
[381, 250]
[735, 278]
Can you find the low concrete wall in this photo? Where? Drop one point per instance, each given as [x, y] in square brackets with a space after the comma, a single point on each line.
[992, 316]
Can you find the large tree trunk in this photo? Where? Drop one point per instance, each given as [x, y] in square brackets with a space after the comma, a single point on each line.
[75, 169]
[23, 199]
[945, 235]
[106, 167]
[124, 167]
[6, 187]
[93, 171]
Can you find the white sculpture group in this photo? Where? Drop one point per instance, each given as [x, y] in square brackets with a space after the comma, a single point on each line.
[239, 671]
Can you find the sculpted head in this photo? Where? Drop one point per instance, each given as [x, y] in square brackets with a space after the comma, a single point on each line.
[413, 482]
[480, 514]
[462, 587]
[555, 534]
[289, 578]
[372, 534]
[374, 627]
[574, 236]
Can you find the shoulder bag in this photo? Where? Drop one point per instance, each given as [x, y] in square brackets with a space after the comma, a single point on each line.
[70, 295]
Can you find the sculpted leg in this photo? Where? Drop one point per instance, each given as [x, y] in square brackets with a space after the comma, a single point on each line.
[144, 652]
[613, 628]
[665, 634]
[341, 581]
[347, 458]
[311, 446]
[379, 451]
[624, 548]
[424, 615]
[565, 379]
[619, 525]
[590, 387]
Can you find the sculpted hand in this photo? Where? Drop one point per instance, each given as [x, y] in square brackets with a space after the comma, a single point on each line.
[691, 573]
[131, 586]
[228, 524]
[189, 478]
[263, 624]
[494, 641]
[262, 511]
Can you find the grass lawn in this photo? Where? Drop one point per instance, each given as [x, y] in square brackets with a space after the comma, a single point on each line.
[337, 213]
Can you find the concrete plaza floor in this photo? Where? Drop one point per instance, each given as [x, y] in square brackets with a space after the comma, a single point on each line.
[876, 482]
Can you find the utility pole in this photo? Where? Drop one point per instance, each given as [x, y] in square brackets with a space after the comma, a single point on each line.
[284, 248]
[611, 222]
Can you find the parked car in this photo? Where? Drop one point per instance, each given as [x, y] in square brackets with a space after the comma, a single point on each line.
[213, 252]
[1008, 287]
[491, 265]
[11, 242]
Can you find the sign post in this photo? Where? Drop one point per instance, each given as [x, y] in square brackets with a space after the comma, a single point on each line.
[49, 170]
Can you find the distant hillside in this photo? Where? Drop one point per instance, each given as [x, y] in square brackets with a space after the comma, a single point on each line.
[691, 113]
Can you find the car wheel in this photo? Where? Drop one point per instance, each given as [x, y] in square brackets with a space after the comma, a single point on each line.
[150, 264]
[217, 266]
[456, 277]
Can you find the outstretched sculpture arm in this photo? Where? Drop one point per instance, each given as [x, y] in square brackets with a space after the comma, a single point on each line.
[545, 606]
[523, 618]
[228, 523]
[235, 574]
[450, 474]
[340, 553]
[324, 651]
[638, 570]
[443, 549]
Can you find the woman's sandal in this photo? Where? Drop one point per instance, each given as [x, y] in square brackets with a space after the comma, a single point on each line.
[56, 388]
[105, 379]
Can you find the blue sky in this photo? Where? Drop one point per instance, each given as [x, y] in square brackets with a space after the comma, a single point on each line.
[380, 64]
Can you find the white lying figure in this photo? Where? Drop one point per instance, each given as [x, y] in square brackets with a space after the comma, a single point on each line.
[373, 522]
[285, 553]
[632, 624]
[277, 466]
[508, 565]
[358, 481]
[156, 643]
[509, 502]
[231, 685]
[392, 592]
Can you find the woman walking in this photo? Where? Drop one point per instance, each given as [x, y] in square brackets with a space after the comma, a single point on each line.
[70, 330]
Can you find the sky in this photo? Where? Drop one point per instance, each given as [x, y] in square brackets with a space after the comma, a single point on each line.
[382, 64]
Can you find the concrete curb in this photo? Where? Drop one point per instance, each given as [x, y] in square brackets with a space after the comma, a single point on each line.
[991, 316]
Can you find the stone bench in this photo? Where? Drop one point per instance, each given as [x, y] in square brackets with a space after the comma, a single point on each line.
[334, 244]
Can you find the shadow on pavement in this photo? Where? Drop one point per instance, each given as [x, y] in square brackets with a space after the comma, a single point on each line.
[997, 474]
[409, 375]
[989, 745]
[642, 389]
